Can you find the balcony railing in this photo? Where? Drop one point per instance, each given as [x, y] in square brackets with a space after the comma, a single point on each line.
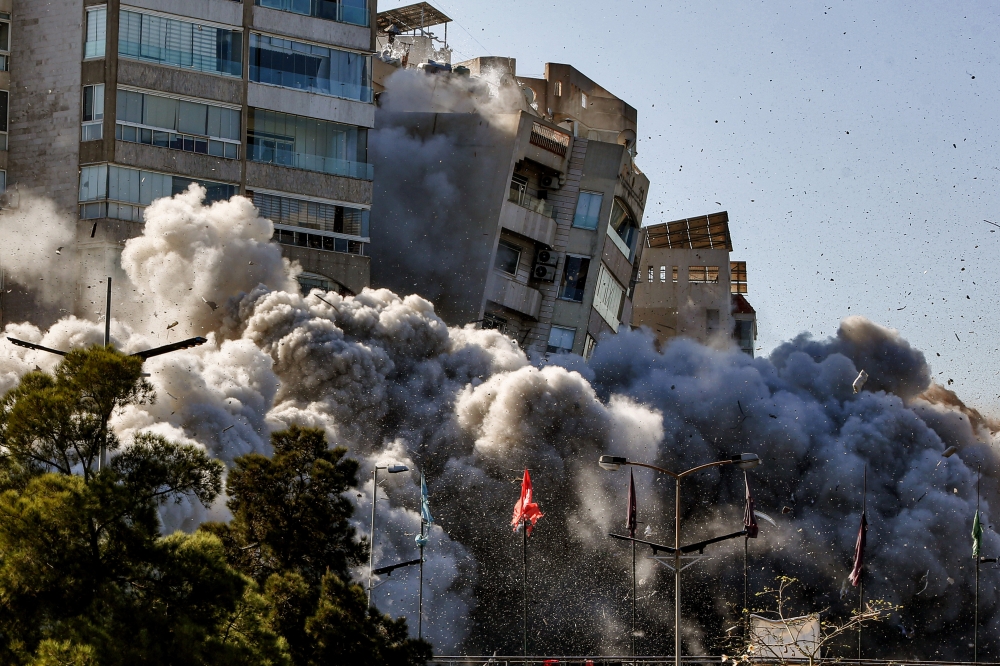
[267, 153]
[525, 200]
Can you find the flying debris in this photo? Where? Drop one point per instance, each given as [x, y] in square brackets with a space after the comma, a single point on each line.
[227, 428]
[210, 304]
[170, 326]
[761, 514]
[958, 338]
[859, 381]
[926, 579]
[786, 509]
[59, 250]
[93, 230]
[950, 451]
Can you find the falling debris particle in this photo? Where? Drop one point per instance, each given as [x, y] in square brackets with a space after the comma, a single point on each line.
[925, 579]
[172, 325]
[772, 416]
[59, 250]
[902, 308]
[324, 300]
[950, 451]
[250, 263]
[954, 146]
[920, 498]
[786, 509]
[950, 382]
[766, 517]
[993, 223]
[172, 396]
[210, 304]
[226, 428]
[958, 338]
[951, 581]
[859, 381]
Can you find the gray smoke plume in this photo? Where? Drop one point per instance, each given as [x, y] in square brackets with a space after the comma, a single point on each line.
[384, 376]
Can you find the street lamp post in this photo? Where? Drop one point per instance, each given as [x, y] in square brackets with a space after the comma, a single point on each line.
[743, 461]
[392, 469]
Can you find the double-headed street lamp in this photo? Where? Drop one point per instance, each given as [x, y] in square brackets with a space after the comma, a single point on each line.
[744, 461]
[392, 469]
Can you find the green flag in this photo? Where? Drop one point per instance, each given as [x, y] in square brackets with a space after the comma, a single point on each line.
[977, 536]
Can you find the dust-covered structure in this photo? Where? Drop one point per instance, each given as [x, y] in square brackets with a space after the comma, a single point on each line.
[114, 103]
[511, 202]
[689, 287]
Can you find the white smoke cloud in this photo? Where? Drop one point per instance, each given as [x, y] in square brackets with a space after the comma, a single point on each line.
[36, 251]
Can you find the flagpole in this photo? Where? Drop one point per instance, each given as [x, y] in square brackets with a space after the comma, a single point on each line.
[420, 596]
[746, 602]
[524, 582]
[975, 631]
[861, 574]
[633, 598]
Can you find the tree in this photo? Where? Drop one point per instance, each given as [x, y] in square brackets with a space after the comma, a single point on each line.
[290, 532]
[85, 576]
[790, 632]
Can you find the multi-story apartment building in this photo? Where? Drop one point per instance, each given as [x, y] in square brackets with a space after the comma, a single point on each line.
[689, 287]
[540, 231]
[113, 103]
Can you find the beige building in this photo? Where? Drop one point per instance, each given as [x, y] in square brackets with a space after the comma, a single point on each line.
[113, 103]
[689, 287]
[528, 221]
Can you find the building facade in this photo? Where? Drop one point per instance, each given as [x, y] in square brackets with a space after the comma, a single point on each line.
[114, 103]
[542, 234]
[688, 287]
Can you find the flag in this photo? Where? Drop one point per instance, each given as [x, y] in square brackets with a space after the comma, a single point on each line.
[749, 517]
[425, 506]
[525, 510]
[977, 536]
[859, 552]
[630, 521]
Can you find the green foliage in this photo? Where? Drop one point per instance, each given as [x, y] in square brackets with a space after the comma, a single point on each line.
[290, 532]
[86, 577]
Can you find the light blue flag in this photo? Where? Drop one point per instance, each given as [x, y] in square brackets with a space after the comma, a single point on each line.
[425, 507]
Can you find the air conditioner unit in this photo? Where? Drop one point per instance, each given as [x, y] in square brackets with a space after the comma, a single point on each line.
[544, 273]
[551, 182]
[546, 257]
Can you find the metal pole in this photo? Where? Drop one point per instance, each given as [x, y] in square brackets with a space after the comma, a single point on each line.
[746, 602]
[420, 597]
[677, 573]
[861, 575]
[633, 598]
[107, 317]
[524, 583]
[975, 631]
[371, 538]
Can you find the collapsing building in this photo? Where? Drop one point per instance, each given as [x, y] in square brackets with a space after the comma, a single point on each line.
[511, 202]
[690, 288]
[136, 99]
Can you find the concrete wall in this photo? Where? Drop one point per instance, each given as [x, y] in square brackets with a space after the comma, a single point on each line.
[166, 160]
[351, 270]
[333, 109]
[311, 29]
[310, 183]
[228, 13]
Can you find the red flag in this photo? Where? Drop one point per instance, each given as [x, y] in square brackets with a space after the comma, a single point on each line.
[749, 517]
[859, 552]
[630, 521]
[525, 510]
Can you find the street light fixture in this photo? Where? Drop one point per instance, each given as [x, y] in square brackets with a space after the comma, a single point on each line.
[743, 461]
[392, 469]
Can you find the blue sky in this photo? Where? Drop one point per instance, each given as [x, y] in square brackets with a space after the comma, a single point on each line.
[854, 145]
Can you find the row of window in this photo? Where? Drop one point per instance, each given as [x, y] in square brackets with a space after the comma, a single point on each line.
[704, 275]
[318, 241]
[206, 48]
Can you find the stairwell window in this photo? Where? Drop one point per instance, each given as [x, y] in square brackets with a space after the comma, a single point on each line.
[574, 279]
[561, 340]
[588, 210]
[93, 112]
[4, 42]
[97, 33]
[4, 112]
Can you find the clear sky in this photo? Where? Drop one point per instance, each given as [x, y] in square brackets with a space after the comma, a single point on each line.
[854, 145]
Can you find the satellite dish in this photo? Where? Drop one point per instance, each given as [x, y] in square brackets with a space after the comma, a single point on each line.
[529, 95]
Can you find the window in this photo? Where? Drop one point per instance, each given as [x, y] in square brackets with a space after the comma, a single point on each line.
[663, 273]
[622, 228]
[318, 241]
[738, 277]
[321, 216]
[122, 193]
[608, 297]
[93, 112]
[711, 321]
[345, 11]
[583, 100]
[703, 274]
[507, 259]
[318, 69]
[574, 278]
[561, 340]
[651, 274]
[673, 271]
[191, 126]
[558, 89]
[4, 42]
[167, 41]
[307, 143]
[3, 182]
[588, 347]
[588, 210]
[4, 112]
[97, 32]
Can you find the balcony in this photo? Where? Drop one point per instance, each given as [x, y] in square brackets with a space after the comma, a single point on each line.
[527, 223]
[519, 196]
[515, 296]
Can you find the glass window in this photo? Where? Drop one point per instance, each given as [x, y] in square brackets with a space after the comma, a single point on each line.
[4, 107]
[3, 181]
[574, 278]
[161, 121]
[308, 143]
[651, 275]
[346, 11]
[97, 32]
[624, 227]
[608, 297]
[180, 43]
[588, 347]
[561, 340]
[93, 102]
[324, 217]
[318, 69]
[588, 210]
[129, 191]
[5, 33]
[508, 257]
